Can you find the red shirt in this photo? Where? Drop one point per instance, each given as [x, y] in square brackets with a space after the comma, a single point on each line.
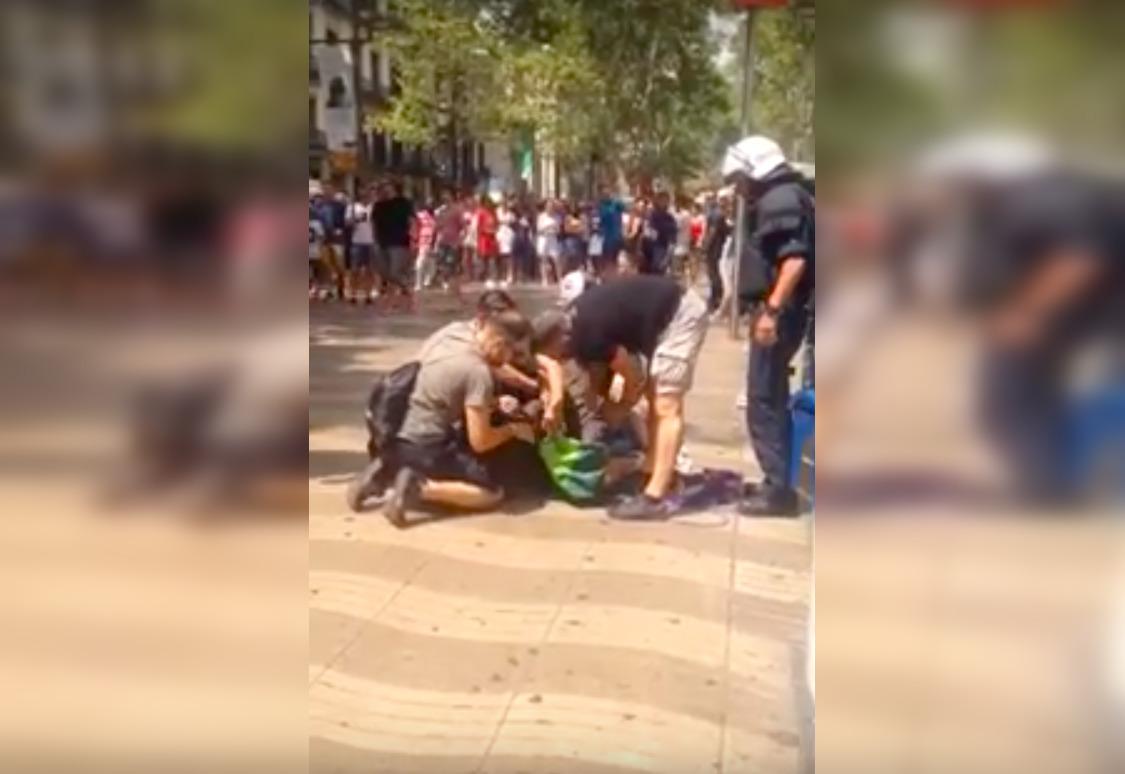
[424, 230]
[486, 232]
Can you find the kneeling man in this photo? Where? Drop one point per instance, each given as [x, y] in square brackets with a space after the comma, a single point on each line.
[448, 425]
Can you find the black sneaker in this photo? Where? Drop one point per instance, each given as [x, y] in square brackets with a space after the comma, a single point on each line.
[372, 480]
[642, 508]
[775, 502]
[403, 494]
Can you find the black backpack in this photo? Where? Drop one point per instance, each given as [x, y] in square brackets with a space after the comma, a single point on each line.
[386, 406]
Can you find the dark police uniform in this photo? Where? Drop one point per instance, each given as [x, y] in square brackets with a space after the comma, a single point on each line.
[1022, 400]
[782, 226]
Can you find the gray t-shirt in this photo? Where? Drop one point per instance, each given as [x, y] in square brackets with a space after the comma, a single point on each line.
[456, 334]
[452, 376]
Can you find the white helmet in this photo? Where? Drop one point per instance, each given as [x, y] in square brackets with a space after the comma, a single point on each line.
[755, 156]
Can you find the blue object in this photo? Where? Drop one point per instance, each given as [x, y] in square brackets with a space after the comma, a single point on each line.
[802, 410]
[1095, 437]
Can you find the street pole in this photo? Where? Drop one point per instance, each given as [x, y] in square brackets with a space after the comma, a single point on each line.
[354, 44]
[744, 125]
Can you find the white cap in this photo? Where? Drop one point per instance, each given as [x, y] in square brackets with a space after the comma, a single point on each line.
[755, 156]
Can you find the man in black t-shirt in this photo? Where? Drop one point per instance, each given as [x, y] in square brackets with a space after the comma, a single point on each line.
[776, 278]
[393, 215]
[651, 317]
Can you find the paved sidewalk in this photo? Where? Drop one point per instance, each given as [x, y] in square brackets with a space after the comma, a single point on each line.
[551, 641]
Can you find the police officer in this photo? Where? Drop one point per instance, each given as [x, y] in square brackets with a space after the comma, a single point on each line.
[776, 280]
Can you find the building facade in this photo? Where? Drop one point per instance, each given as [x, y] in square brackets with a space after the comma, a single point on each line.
[422, 169]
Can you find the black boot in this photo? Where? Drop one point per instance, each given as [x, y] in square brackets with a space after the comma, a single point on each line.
[770, 502]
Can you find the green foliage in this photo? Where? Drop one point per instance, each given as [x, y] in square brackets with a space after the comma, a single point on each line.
[785, 80]
[632, 83]
[240, 60]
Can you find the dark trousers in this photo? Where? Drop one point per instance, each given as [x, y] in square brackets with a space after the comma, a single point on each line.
[1022, 410]
[715, 278]
[767, 397]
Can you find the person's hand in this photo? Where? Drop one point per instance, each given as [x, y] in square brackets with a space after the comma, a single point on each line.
[765, 329]
[551, 420]
[508, 404]
[522, 431]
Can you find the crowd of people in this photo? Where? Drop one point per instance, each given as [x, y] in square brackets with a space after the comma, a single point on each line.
[384, 248]
[609, 367]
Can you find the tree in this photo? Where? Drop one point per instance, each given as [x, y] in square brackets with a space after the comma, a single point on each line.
[785, 80]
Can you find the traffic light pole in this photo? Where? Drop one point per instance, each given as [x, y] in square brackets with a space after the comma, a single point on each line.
[744, 125]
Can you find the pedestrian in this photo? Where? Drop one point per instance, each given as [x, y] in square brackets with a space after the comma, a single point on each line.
[610, 212]
[331, 211]
[393, 217]
[547, 242]
[633, 228]
[449, 225]
[660, 231]
[425, 261]
[716, 233]
[657, 320]
[469, 237]
[505, 240]
[488, 246]
[316, 246]
[364, 275]
[681, 251]
[776, 278]
[523, 245]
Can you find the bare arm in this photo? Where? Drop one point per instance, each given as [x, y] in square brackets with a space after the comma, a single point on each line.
[512, 376]
[626, 367]
[483, 437]
[555, 380]
[788, 275]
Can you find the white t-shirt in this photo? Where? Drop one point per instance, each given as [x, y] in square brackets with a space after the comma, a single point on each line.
[506, 234]
[547, 235]
[363, 232]
[683, 232]
[316, 239]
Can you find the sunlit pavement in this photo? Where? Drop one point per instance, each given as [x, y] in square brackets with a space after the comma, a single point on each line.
[549, 641]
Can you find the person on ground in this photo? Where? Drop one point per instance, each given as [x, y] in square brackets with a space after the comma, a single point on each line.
[547, 242]
[654, 318]
[393, 216]
[363, 275]
[776, 279]
[448, 430]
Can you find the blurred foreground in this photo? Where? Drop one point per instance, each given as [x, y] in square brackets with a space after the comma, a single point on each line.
[970, 350]
[153, 387]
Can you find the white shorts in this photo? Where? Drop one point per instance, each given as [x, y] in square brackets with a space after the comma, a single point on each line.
[673, 360]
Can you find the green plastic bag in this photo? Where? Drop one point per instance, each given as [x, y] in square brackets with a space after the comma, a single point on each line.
[576, 468]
